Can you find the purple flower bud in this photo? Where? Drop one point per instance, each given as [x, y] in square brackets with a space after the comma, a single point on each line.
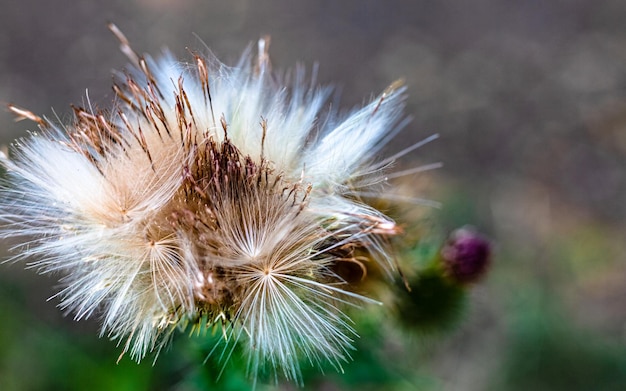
[466, 255]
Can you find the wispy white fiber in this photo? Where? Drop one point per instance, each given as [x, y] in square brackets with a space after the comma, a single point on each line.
[209, 195]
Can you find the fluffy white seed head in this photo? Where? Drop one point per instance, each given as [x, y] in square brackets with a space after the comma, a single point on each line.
[208, 194]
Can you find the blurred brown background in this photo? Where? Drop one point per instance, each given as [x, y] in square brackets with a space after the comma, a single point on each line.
[529, 98]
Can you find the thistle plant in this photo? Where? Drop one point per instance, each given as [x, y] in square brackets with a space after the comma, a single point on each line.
[433, 299]
[210, 197]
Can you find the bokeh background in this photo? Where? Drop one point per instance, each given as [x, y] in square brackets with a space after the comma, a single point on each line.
[529, 98]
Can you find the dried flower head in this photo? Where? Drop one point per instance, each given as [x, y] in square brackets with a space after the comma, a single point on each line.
[208, 195]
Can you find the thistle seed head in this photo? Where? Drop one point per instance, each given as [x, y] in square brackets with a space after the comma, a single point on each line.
[208, 195]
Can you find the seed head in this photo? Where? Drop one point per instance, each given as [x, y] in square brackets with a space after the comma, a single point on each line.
[208, 195]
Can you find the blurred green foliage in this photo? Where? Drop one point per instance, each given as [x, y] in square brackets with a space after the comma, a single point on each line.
[546, 352]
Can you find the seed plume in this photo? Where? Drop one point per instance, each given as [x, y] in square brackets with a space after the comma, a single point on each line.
[209, 195]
